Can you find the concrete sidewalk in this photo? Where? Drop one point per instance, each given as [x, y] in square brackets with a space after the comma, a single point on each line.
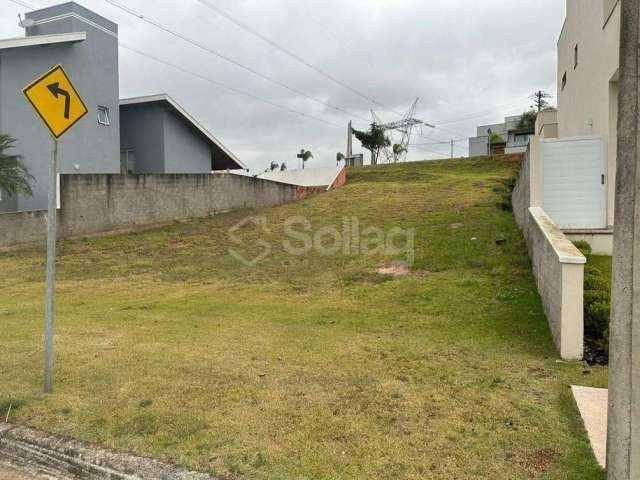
[592, 403]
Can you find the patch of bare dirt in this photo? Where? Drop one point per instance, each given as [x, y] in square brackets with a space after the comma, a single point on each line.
[395, 270]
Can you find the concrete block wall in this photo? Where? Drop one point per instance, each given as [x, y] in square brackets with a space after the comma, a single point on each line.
[521, 197]
[22, 227]
[526, 193]
[95, 204]
[558, 267]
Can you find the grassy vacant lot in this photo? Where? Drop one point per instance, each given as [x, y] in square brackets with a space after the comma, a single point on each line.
[312, 367]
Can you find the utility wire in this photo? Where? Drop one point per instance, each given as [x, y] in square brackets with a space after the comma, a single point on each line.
[170, 31]
[433, 152]
[224, 57]
[471, 116]
[207, 79]
[460, 136]
[265, 77]
[22, 4]
[446, 131]
[436, 143]
[288, 52]
[227, 87]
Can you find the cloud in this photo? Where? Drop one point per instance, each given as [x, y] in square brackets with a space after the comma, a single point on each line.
[459, 56]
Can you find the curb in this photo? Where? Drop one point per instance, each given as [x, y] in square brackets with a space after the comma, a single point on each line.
[70, 459]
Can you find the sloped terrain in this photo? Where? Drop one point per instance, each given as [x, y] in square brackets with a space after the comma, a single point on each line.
[314, 365]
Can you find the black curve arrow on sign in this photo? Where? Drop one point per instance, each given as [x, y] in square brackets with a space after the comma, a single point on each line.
[55, 89]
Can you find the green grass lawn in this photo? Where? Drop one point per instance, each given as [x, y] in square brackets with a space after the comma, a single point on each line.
[308, 367]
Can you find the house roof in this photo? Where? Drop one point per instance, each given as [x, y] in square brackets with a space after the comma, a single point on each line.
[43, 40]
[168, 101]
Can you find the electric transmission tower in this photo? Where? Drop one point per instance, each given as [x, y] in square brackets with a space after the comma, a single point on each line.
[404, 127]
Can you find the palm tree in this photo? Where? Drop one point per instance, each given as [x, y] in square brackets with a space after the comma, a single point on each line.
[306, 156]
[14, 177]
[398, 151]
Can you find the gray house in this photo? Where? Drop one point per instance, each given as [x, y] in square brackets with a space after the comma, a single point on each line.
[159, 136]
[512, 139]
[155, 134]
[86, 45]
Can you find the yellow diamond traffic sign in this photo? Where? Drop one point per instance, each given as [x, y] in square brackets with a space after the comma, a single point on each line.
[56, 100]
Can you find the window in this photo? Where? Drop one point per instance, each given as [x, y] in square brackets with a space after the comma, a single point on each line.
[575, 57]
[103, 115]
[564, 80]
[127, 162]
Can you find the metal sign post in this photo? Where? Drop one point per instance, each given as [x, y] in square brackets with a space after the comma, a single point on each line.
[60, 107]
[52, 232]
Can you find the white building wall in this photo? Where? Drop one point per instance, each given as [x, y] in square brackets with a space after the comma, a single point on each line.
[587, 103]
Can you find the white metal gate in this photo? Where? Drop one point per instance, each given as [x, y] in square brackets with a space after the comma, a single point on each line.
[573, 178]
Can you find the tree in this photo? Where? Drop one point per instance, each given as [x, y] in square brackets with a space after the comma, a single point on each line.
[283, 167]
[540, 100]
[398, 150]
[274, 166]
[374, 140]
[14, 177]
[305, 156]
[496, 139]
[528, 120]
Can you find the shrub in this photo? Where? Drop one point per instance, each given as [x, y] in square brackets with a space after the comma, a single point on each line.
[496, 139]
[594, 281]
[598, 319]
[595, 296]
[505, 190]
[584, 248]
[597, 305]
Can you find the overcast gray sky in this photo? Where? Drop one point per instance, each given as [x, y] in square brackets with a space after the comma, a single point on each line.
[461, 57]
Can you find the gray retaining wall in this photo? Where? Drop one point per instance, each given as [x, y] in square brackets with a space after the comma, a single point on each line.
[93, 204]
[557, 265]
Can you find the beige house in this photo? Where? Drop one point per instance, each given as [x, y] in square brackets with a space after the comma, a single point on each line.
[573, 154]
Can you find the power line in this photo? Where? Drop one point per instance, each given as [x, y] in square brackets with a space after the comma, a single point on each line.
[239, 92]
[22, 4]
[202, 77]
[471, 116]
[227, 87]
[448, 142]
[446, 131]
[461, 136]
[288, 52]
[433, 152]
[234, 62]
[228, 59]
